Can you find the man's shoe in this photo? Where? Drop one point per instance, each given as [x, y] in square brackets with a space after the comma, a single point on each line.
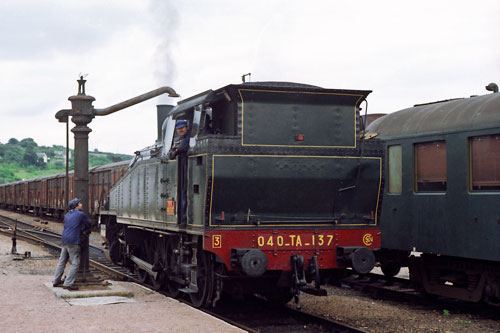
[72, 287]
[57, 284]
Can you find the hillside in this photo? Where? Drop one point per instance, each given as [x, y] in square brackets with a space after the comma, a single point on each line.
[25, 159]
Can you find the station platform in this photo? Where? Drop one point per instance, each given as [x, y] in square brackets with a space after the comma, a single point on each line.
[29, 303]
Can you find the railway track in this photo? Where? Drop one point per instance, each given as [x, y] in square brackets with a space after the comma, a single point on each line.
[400, 290]
[52, 241]
[259, 315]
[253, 315]
[379, 285]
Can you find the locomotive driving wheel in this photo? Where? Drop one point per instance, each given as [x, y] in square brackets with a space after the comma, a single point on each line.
[204, 279]
[142, 274]
[172, 265]
[390, 269]
[161, 254]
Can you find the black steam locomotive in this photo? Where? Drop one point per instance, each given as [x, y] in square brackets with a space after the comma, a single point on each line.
[280, 188]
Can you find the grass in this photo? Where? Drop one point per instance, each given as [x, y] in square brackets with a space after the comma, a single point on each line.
[24, 174]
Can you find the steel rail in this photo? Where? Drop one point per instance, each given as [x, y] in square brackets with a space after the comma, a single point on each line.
[25, 234]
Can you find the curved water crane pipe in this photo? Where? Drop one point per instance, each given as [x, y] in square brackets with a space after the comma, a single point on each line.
[135, 100]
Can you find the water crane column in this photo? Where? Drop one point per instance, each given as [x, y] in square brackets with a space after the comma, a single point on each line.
[82, 112]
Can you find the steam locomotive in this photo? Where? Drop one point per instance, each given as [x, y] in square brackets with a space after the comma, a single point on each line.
[440, 212]
[281, 190]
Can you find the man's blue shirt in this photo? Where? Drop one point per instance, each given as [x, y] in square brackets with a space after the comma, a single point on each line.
[73, 223]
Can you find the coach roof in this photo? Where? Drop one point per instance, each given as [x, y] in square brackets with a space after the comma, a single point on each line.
[478, 112]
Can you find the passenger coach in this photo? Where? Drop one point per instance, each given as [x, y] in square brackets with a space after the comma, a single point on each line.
[442, 196]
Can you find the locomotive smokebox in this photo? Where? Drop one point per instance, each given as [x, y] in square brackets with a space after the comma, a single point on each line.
[162, 111]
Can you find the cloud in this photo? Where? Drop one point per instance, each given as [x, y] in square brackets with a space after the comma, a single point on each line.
[35, 29]
[405, 52]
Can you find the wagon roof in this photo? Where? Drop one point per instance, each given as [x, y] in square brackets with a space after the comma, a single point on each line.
[479, 112]
[110, 166]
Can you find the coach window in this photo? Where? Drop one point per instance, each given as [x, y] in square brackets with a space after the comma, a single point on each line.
[485, 163]
[395, 169]
[430, 166]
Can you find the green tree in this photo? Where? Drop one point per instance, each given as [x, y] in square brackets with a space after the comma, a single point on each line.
[116, 158]
[41, 163]
[50, 153]
[28, 142]
[2, 149]
[13, 154]
[29, 157]
[13, 141]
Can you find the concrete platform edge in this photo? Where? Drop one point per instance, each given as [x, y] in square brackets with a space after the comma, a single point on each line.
[112, 290]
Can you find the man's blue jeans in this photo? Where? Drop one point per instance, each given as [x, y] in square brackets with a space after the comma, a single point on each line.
[71, 252]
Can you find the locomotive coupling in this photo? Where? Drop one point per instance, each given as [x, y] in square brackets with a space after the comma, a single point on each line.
[300, 279]
[252, 261]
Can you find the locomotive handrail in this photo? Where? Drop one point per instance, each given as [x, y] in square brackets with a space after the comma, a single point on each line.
[298, 222]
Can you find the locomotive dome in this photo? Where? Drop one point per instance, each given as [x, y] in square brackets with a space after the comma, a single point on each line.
[450, 115]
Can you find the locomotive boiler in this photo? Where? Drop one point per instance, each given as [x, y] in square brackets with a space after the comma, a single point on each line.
[281, 190]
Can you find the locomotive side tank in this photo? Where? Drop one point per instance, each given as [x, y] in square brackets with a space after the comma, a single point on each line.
[280, 190]
[441, 197]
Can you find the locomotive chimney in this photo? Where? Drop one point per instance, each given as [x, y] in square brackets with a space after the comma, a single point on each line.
[161, 114]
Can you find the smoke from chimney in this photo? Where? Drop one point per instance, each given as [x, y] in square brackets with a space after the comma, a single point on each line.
[166, 25]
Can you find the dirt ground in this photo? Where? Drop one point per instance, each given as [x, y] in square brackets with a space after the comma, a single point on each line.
[27, 305]
[354, 308]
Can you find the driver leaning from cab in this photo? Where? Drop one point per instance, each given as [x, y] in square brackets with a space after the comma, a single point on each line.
[181, 146]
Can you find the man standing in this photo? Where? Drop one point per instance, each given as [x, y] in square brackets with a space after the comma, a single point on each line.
[180, 148]
[74, 221]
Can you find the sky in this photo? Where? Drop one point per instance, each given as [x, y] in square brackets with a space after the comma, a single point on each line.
[407, 52]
